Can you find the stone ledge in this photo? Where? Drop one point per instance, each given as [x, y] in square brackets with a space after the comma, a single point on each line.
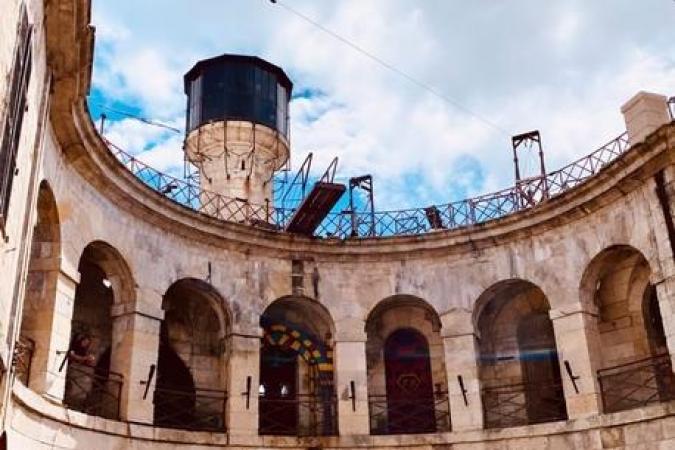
[34, 404]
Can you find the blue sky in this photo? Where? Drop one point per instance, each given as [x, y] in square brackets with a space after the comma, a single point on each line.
[563, 67]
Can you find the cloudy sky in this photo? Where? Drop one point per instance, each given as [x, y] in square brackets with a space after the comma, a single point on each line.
[563, 67]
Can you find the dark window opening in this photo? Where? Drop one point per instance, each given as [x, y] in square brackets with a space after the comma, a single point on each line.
[11, 128]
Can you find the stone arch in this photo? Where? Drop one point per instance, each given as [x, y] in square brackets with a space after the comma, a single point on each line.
[401, 318]
[613, 287]
[617, 289]
[192, 364]
[105, 281]
[518, 361]
[296, 366]
[37, 318]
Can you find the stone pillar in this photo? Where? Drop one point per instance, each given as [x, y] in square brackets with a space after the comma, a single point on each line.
[52, 338]
[643, 114]
[577, 343]
[242, 405]
[461, 359]
[665, 292]
[135, 348]
[350, 366]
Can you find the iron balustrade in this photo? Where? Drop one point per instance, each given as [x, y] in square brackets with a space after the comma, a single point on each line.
[299, 415]
[93, 393]
[23, 358]
[409, 415]
[526, 194]
[637, 384]
[523, 404]
[195, 410]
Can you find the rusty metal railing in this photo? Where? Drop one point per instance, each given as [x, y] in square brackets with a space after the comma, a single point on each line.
[298, 415]
[523, 404]
[196, 410]
[637, 384]
[409, 415]
[93, 393]
[524, 195]
[23, 358]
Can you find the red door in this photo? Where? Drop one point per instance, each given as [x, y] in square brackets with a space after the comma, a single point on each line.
[278, 395]
[410, 394]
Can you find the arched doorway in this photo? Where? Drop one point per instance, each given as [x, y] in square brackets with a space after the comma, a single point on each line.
[518, 366]
[407, 384]
[92, 384]
[297, 392]
[634, 367]
[36, 343]
[410, 392]
[191, 377]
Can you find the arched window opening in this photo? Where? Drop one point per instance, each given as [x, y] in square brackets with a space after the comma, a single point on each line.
[91, 385]
[191, 377]
[518, 367]
[297, 390]
[634, 367]
[35, 345]
[410, 392]
[407, 384]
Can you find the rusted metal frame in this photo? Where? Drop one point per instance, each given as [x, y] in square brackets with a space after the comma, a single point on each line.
[212, 400]
[506, 405]
[381, 407]
[99, 386]
[624, 389]
[617, 385]
[301, 178]
[405, 222]
[329, 175]
[320, 409]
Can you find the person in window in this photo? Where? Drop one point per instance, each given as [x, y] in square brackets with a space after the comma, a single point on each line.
[80, 350]
[79, 378]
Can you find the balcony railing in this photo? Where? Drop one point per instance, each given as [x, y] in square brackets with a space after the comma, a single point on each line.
[409, 415]
[523, 404]
[524, 195]
[23, 358]
[93, 393]
[301, 415]
[637, 384]
[196, 410]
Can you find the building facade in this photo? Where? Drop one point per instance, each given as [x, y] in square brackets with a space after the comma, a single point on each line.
[549, 327]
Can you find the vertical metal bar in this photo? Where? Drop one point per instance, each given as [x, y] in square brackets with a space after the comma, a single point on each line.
[460, 380]
[352, 388]
[102, 125]
[247, 393]
[372, 208]
[355, 231]
[543, 167]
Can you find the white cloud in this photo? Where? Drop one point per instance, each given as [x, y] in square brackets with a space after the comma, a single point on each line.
[564, 70]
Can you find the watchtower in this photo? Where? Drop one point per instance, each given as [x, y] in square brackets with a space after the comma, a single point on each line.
[237, 127]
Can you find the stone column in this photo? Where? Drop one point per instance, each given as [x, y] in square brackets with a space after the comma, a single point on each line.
[577, 343]
[350, 366]
[242, 405]
[52, 337]
[461, 360]
[643, 114]
[135, 348]
[665, 292]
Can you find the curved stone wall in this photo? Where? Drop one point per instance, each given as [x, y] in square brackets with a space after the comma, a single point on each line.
[440, 283]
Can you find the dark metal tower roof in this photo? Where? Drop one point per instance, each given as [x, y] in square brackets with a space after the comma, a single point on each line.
[226, 57]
